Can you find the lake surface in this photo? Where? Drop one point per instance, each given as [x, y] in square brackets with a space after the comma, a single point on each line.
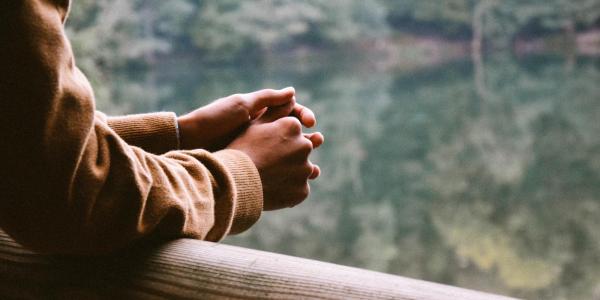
[485, 177]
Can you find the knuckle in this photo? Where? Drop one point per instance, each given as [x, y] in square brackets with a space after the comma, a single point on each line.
[307, 170]
[239, 103]
[301, 192]
[304, 191]
[237, 99]
[269, 92]
[292, 125]
[265, 93]
[306, 146]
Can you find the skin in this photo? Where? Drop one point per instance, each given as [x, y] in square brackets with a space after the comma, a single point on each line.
[267, 126]
[216, 125]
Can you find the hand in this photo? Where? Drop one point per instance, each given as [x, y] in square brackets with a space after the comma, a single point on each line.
[214, 126]
[280, 151]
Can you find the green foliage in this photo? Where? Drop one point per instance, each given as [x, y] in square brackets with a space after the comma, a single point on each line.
[503, 18]
[423, 177]
[113, 34]
[433, 174]
[235, 27]
[451, 15]
[551, 14]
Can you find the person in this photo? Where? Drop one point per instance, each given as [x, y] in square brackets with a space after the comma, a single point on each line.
[75, 181]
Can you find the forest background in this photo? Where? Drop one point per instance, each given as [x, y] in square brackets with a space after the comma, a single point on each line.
[462, 135]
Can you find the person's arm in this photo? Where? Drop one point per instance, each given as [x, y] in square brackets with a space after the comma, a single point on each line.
[69, 183]
[157, 133]
[217, 124]
[211, 127]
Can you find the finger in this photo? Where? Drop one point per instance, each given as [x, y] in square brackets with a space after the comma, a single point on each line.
[316, 138]
[277, 112]
[303, 193]
[259, 100]
[305, 115]
[258, 114]
[315, 173]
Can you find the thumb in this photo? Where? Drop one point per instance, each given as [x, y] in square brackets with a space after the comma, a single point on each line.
[259, 100]
[277, 112]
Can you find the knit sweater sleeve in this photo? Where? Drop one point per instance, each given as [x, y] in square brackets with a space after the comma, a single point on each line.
[69, 183]
[154, 132]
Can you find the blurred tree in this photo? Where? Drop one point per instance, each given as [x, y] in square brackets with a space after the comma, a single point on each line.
[112, 33]
[491, 186]
[507, 17]
[452, 17]
[109, 35]
[243, 27]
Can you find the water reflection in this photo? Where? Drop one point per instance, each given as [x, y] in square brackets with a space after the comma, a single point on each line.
[425, 175]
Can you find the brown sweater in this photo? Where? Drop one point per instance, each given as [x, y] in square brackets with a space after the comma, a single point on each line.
[74, 181]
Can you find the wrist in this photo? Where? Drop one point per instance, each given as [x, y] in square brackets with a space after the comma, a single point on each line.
[177, 132]
[193, 131]
[184, 126]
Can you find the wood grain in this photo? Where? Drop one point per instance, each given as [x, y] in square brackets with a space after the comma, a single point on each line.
[191, 269]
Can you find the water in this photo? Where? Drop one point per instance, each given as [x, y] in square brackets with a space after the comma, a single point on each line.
[485, 177]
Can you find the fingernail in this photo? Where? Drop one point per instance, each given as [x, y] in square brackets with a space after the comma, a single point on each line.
[291, 88]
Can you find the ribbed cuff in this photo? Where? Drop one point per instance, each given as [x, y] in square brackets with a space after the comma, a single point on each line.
[249, 193]
[154, 132]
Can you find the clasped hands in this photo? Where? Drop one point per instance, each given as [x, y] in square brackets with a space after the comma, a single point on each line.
[267, 126]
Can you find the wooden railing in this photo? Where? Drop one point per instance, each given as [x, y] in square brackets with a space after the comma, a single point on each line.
[191, 269]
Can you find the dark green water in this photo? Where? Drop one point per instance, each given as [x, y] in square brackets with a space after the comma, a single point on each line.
[487, 180]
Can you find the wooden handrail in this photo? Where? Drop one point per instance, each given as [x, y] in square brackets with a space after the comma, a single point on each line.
[191, 269]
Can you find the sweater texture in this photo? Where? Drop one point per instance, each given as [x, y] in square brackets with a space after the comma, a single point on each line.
[74, 181]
